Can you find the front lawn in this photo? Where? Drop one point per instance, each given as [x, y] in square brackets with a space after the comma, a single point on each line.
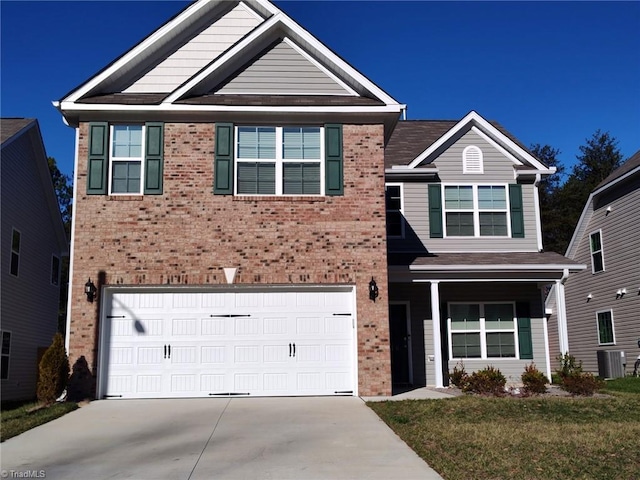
[625, 385]
[19, 419]
[547, 438]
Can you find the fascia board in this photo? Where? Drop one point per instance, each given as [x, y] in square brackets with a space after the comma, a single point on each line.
[617, 180]
[135, 51]
[69, 107]
[194, 81]
[496, 268]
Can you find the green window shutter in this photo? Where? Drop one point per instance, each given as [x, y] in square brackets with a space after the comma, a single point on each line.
[524, 331]
[98, 161]
[517, 214]
[153, 159]
[223, 163]
[435, 211]
[334, 183]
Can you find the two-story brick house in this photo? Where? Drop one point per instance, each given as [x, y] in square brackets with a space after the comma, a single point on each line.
[232, 224]
[230, 213]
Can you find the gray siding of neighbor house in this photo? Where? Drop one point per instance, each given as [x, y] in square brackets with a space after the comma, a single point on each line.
[512, 369]
[29, 302]
[283, 71]
[621, 250]
[497, 170]
[422, 324]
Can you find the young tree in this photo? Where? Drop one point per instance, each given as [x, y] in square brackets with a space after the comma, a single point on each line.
[63, 186]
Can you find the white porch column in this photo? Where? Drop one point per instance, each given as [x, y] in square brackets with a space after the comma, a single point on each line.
[437, 341]
[561, 314]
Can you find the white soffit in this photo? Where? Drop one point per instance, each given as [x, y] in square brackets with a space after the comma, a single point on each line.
[198, 52]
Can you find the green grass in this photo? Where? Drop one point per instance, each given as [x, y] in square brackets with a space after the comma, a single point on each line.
[625, 385]
[17, 419]
[546, 438]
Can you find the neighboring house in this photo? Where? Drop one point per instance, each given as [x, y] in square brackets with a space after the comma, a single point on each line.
[603, 301]
[33, 244]
[230, 211]
[465, 249]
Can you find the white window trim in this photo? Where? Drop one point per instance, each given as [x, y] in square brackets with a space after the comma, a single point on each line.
[57, 284]
[591, 252]
[613, 326]
[8, 355]
[113, 159]
[476, 210]
[402, 219]
[279, 162]
[465, 168]
[12, 252]
[483, 332]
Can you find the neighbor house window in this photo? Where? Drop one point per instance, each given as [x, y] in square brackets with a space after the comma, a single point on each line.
[279, 161]
[476, 211]
[126, 156]
[55, 270]
[393, 204]
[15, 252]
[472, 160]
[597, 258]
[482, 330]
[606, 334]
[6, 352]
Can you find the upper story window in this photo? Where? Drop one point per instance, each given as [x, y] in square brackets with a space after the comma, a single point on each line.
[126, 159]
[597, 256]
[476, 211]
[472, 161]
[394, 209]
[55, 270]
[606, 334]
[482, 330]
[15, 252]
[279, 161]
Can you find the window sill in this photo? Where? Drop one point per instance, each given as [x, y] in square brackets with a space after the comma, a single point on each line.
[125, 198]
[281, 198]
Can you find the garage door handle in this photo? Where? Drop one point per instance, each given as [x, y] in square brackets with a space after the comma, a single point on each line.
[169, 351]
[294, 349]
[289, 349]
[165, 351]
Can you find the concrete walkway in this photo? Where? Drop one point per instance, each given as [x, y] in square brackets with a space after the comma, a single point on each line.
[204, 439]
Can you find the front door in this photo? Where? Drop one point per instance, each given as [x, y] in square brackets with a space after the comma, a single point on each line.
[400, 344]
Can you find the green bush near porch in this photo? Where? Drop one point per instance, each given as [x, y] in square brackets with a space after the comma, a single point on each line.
[470, 437]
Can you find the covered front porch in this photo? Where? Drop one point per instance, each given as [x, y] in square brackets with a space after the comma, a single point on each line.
[489, 310]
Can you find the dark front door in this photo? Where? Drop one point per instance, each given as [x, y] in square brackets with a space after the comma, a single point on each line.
[400, 338]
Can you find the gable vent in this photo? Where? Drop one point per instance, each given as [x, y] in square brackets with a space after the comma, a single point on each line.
[472, 159]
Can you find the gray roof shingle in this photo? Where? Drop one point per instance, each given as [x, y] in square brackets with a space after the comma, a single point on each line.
[632, 162]
[10, 126]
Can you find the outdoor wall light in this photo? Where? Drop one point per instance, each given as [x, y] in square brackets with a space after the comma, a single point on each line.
[90, 290]
[621, 292]
[373, 290]
[589, 297]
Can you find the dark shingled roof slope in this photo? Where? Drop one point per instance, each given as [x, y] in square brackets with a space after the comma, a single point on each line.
[10, 126]
[412, 137]
[630, 164]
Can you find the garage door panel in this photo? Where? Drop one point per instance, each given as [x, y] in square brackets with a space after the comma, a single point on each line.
[258, 343]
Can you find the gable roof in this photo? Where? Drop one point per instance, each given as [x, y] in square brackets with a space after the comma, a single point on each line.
[418, 143]
[242, 39]
[632, 163]
[12, 129]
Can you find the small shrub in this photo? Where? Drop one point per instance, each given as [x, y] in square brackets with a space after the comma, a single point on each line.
[582, 383]
[54, 371]
[556, 379]
[489, 381]
[534, 381]
[568, 366]
[459, 376]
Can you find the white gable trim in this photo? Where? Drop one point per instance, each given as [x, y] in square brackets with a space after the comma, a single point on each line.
[495, 145]
[187, 14]
[491, 132]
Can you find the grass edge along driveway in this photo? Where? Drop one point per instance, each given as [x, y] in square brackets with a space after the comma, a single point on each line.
[18, 418]
[469, 437]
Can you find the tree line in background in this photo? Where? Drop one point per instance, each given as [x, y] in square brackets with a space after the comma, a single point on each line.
[561, 203]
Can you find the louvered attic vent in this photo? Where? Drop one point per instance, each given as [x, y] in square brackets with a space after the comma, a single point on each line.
[472, 159]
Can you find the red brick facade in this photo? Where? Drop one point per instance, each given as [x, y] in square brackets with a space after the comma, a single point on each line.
[188, 235]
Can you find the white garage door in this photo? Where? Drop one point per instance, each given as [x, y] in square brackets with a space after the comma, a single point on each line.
[263, 343]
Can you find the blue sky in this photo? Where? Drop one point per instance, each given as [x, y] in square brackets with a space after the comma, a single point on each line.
[550, 72]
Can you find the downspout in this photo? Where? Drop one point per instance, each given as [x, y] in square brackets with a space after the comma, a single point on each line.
[562, 313]
[536, 199]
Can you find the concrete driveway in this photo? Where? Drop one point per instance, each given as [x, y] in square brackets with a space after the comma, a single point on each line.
[241, 438]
